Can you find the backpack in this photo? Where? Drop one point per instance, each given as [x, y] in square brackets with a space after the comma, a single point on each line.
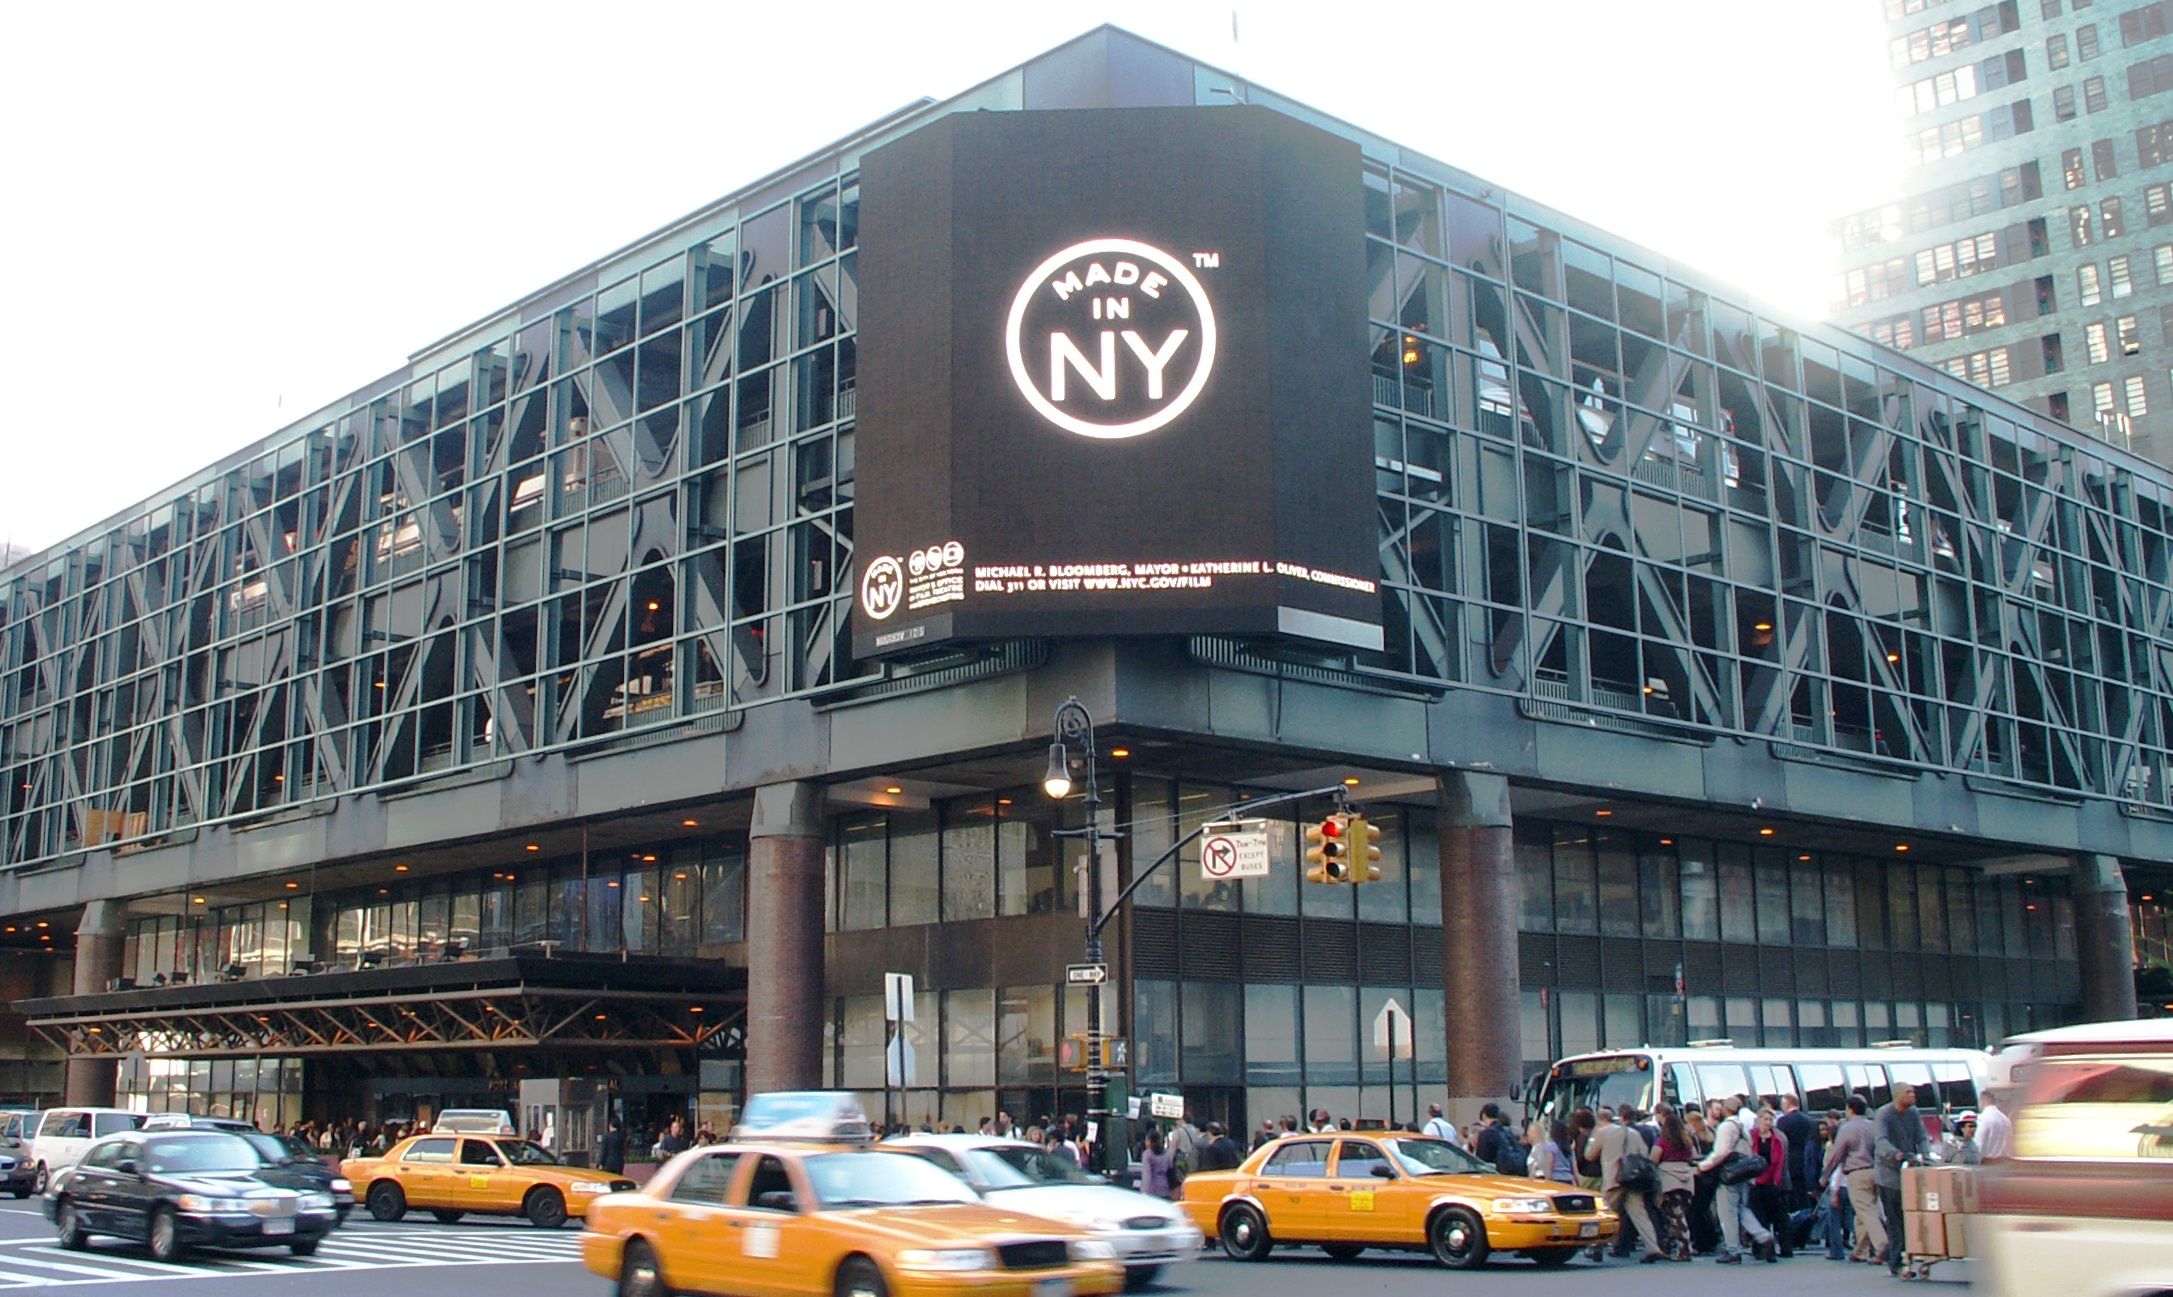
[1511, 1157]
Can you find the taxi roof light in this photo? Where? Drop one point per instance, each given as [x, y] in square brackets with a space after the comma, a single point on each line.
[474, 1121]
[826, 1116]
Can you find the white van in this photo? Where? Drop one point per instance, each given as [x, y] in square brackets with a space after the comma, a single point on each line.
[66, 1132]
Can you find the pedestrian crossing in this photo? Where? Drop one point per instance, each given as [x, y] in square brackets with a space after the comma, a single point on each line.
[43, 1263]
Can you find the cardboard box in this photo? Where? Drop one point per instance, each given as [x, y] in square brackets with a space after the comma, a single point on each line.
[1916, 1187]
[1923, 1233]
[1957, 1233]
[1968, 1179]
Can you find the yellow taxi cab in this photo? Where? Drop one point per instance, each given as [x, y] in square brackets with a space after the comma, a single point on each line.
[455, 1170]
[780, 1212]
[1347, 1192]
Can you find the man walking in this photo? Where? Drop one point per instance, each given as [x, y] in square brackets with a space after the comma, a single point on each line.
[1440, 1127]
[1800, 1131]
[1995, 1129]
[1493, 1135]
[1731, 1201]
[611, 1149]
[1611, 1142]
[1901, 1142]
[1855, 1147]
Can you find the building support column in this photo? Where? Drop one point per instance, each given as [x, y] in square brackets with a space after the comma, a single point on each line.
[786, 1004]
[2104, 939]
[1484, 998]
[99, 941]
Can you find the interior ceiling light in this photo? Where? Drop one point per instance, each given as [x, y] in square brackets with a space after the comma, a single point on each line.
[399, 869]
[688, 824]
[894, 790]
[1765, 833]
[1350, 781]
[1120, 753]
[1763, 627]
[533, 847]
[1603, 814]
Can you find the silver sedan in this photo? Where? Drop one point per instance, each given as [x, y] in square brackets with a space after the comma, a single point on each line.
[1147, 1232]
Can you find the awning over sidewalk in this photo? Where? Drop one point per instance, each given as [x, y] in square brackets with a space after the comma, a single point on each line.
[516, 1001]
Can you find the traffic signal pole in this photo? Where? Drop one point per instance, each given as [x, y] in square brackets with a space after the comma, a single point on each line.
[1074, 730]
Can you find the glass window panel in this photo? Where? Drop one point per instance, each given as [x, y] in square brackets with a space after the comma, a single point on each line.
[1211, 1033]
[969, 1037]
[1738, 905]
[1384, 900]
[1154, 821]
[724, 897]
[1154, 1031]
[1619, 915]
[1660, 891]
[1331, 1035]
[1624, 1020]
[1422, 846]
[1840, 904]
[1028, 875]
[1535, 878]
[1538, 1047]
[969, 859]
[864, 849]
[1278, 892]
[1580, 1022]
[1026, 1036]
[913, 854]
[1575, 892]
[1773, 912]
[861, 1042]
[1701, 892]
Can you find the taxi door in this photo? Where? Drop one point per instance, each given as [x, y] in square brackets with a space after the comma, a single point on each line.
[771, 1251]
[1364, 1206]
[425, 1172]
[697, 1233]
[1293, 1187]
[480, 1180]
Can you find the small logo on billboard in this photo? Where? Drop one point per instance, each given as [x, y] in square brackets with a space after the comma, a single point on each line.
[882, 587]
[1111, 338]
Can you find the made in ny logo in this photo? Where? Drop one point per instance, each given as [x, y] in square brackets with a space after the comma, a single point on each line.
[1111, 338]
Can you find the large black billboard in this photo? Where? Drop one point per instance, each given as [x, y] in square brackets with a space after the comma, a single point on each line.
[1113, 380]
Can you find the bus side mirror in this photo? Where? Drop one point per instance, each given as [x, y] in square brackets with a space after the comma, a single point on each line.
[1516, 1091]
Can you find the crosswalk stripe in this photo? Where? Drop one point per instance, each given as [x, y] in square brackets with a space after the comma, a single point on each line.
[40, 1263]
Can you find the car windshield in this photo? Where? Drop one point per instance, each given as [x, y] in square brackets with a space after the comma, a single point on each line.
[875, 1178]
[200, 1153]
[1022, 1166]
[522, 1153]
[1435, 1157]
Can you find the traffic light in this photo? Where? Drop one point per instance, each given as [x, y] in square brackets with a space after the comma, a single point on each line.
[1327, 850]
[1363, 852]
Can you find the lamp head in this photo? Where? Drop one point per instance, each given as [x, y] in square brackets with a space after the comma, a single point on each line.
[1057, 782]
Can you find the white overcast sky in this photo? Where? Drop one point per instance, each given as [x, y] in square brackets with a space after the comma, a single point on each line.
[223, 216]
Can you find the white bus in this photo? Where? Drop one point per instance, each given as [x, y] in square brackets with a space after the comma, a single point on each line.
[1946, 1080]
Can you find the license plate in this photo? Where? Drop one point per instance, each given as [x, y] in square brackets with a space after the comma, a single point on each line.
[1588, 1231]
[279, 1225]
[1053, 1288]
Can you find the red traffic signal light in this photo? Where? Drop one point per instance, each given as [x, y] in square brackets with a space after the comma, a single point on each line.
[1328, 850]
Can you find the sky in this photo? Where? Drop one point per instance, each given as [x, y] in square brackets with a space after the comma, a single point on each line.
[221, 217]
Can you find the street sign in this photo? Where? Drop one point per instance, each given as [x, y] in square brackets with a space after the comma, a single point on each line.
[1236, 849]
[1166, 1105]
[1086, 974]
[899, 1072]
[897, 997]
[1392, 1030]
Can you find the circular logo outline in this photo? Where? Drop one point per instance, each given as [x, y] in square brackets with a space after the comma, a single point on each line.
[1177, 405]
[883, 563]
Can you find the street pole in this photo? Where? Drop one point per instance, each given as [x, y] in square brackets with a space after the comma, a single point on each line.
[1074, 728]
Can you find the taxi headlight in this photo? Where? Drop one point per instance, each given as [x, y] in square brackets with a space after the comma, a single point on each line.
[945, 1258]
[1522, 1206]
[200, 1203]
[1093, 1249]
[316, 1202]
[589, 1186]
[342, 1186]
[1089, 1221]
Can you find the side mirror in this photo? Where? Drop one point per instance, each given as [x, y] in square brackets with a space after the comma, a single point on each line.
[1384, 1171]
[1516, 1091]
[126, 1166]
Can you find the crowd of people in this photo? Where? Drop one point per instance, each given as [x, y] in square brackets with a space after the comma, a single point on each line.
[1739, 1178]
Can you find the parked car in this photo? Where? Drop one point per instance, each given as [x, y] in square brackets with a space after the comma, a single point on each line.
[63, 1134]
[1147, 1233]
[177, 1189]
[20, 1174]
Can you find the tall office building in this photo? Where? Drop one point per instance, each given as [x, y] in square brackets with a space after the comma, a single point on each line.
[2031, 249]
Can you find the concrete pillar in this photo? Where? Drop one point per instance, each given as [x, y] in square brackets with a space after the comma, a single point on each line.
[1479, 942]
[2104, 941]
[99, 939]
[786, 1004]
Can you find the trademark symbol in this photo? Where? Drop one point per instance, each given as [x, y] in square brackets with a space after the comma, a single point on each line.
[1206, 260]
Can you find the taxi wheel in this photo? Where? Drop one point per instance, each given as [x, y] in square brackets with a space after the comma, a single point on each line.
[858, 1277]
[164, 1236]
[1553, 1258]
[1244, 1234]
[1458, 1239]
[639, 1273]
[387, 1202]
[44, 1179]
[545, 1208]
[69, 1224]
[1342, 1251]
[448, 1217]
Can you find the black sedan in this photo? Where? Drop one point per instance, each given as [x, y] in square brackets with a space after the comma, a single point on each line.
[176, 1189]
[289, 1163]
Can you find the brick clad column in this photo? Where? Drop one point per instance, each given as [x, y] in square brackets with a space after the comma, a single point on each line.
[1479, 942]
[2104, 939]
[99, 941]
[786, 1004]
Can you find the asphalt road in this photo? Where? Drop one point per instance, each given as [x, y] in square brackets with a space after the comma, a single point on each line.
[489, 1258]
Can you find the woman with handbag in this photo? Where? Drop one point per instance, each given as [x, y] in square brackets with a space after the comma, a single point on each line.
[1769, 1188]
[1735, 1165]
[1675, 1155]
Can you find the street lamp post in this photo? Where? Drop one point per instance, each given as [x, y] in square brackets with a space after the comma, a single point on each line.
[1074, 728]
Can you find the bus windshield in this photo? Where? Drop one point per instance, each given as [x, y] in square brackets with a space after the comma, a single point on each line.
[1590, 1082]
